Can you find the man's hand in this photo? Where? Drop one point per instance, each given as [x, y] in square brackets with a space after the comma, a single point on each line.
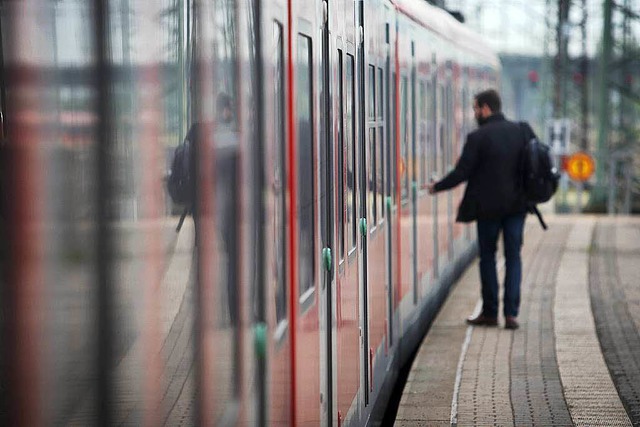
[431, 187]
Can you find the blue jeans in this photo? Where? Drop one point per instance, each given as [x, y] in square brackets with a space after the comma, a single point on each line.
[512, 227]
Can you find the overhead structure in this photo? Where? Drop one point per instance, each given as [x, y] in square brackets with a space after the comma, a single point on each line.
[619, 109]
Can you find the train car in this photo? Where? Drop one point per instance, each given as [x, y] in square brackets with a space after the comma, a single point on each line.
[312, 259]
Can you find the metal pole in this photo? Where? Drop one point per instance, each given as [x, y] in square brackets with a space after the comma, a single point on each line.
[628, 182]
[579, 189]
[584, 70]
[562, 37]
[597, 196]
[612, 187]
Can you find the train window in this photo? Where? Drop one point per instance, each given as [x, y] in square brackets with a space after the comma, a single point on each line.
[404, 136]
[449, 125]
[279, 179]
[422, 121]
[432, 128]
[351, 152]
[442, 137]
[340, 168]
[304, 109]
[224, 202]
[380, 104]
[380, 172]
[393, 160]
[372, 93]
[371, 201]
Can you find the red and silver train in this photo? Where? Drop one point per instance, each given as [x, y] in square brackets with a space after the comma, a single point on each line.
[313, 259]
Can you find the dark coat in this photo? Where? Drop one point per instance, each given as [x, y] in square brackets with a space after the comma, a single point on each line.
[491, 163]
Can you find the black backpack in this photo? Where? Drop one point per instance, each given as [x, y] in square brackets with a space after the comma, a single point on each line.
[180, 183]
[180, 180]
[539, 177]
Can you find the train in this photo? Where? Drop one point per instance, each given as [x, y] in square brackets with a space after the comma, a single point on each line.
[312, 258]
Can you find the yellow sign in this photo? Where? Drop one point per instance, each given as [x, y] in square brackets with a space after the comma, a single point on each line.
[580, 166]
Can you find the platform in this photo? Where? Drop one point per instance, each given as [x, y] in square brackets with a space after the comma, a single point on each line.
[575, 359]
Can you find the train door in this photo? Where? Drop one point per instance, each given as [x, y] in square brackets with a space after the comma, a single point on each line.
[347, 314]
[441, 170]
[405, 237]
[362, 198]
[278, 255]
[413, 176]
[304, 233]
[326, 173]
[376, 218]
[433, 159]
[389, 101]
[449, 159]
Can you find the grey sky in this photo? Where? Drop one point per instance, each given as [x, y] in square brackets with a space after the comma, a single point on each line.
[519, 27]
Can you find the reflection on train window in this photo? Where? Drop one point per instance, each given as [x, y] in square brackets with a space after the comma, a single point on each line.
[340, 169]
[393, 160]
[442, 130]
[371, 192]
[351, 152]
[226, 148]
[223, 27]
[404, 136]
[450, 123]
[448, 127]
[304, 108]
[380, 172]
[279, 179]
[380, 161]
[372, 93]
[413, 152]
[379, 104]
[422, 132]
[431, 130]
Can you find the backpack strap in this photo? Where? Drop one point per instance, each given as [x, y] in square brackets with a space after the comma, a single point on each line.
[535, 210]
[182, 217]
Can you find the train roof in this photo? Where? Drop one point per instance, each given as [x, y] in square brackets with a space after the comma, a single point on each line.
[442, 23]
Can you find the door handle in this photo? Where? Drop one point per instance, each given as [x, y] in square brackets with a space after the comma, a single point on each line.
[326, 258]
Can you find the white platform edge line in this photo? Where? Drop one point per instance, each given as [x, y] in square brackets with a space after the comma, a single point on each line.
[463, 355]
[456, 387]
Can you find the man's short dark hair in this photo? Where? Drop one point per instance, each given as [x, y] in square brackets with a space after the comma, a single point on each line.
[490, 98]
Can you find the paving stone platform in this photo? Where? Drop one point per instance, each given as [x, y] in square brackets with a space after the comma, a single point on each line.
[575, 359]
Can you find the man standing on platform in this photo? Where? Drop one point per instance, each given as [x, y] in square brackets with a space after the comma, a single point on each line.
[490, 163]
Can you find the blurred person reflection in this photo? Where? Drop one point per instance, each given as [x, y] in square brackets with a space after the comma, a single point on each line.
[226, 209]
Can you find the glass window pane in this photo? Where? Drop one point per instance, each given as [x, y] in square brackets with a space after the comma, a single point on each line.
[379, 94]
[351, 153]
[404, 143]
[394, 139]
[225, 201]
[380, 172]
[371, 172]
[372, 93]
[422, 134]
[340, 170]
[433, 129]
[279, 178]
[304, 108]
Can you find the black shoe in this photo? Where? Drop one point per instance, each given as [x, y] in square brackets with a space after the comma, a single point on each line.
[510, 322]
[482, 320]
